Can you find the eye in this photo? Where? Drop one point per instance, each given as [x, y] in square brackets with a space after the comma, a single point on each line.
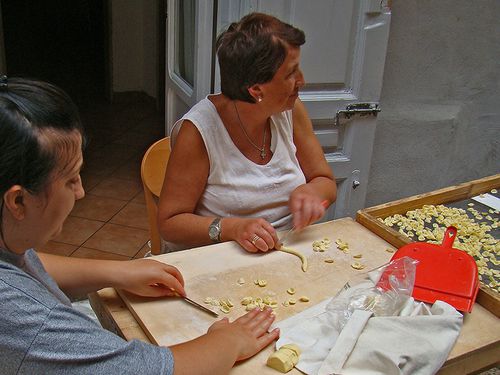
[294, 73]
[74, 180]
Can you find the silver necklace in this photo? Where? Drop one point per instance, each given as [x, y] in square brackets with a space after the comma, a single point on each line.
[262, 149]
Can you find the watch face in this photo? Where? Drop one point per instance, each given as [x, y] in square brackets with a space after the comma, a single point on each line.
[213, 232]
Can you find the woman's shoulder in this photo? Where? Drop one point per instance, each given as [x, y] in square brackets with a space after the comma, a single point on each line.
[201, 114]
[205, 106]
[17, 285]
[203, 117]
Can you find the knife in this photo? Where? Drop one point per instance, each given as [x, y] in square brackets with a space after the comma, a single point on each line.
[196, 304]
[285, 236]
[203, 308]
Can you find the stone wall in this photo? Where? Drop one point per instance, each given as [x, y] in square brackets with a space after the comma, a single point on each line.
[440, 119]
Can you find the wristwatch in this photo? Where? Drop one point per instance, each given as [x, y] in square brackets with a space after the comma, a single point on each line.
[214, 230]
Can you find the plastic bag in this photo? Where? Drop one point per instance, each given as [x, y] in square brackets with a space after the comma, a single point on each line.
[383, 291]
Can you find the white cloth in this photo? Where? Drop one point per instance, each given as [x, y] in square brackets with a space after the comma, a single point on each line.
[417, 341]
[237, 186]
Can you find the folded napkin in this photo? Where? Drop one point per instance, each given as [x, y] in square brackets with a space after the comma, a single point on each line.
[417, 341]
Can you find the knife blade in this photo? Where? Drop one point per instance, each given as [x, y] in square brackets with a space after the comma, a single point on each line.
[196, 304]
[203, 308]
[285, 236]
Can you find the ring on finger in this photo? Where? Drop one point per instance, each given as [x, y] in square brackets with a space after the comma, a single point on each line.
[254, 239]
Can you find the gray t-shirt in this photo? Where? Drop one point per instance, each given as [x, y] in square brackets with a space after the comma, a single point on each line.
[40, 333]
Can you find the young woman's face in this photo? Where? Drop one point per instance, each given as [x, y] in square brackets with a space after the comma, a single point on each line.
[282, 91]
[47, 210]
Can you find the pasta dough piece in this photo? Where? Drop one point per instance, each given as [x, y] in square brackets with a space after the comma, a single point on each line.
[284, 359]
[296, 253]
[321, 245]
[342, 246]
[357, 266]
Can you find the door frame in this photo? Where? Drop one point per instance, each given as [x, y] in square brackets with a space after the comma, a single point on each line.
[177, 88]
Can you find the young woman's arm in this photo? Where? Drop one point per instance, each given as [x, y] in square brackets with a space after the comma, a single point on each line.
[212, 353]
[145, 277]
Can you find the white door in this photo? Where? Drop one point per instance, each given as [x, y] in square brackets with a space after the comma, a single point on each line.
[189, 58]
[342, 61]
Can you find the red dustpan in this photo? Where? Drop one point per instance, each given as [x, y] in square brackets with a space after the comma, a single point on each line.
[443, 273]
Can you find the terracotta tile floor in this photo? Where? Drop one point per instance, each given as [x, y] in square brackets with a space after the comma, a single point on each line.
[111, 221]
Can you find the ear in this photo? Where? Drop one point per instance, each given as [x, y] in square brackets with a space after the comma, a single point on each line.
[256, 92]
[13, 200]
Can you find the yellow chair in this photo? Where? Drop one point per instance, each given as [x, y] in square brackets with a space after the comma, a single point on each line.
[153, 167]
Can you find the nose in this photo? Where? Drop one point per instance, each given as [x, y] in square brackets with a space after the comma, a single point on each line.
[79, 190]
[300, 79]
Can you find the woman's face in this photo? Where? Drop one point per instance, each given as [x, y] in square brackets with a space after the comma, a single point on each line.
[47, 210]
[282, 91]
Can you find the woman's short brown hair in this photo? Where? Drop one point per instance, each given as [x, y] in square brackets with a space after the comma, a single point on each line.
[251, 51]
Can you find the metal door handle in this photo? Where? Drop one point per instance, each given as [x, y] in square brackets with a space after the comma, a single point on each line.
[363, 109]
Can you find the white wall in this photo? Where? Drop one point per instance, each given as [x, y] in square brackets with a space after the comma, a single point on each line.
[134, 40]
[440, 119]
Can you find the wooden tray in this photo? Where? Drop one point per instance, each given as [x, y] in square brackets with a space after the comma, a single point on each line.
[368, 217]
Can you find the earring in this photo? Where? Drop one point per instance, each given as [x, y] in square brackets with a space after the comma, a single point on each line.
[259, 99]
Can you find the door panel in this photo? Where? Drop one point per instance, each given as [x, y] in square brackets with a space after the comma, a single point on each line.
[326, 59]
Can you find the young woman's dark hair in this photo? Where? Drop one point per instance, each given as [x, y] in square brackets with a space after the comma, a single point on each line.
[251, 51]
[40, 131]
[35, 120]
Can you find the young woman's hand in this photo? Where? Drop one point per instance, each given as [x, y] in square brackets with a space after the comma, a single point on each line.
[248, 333]
[150, 278]
[253, 235]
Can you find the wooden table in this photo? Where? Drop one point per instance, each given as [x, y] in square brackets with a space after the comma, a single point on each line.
[214, 271]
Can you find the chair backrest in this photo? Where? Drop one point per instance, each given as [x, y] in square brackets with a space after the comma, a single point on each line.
[153, 167]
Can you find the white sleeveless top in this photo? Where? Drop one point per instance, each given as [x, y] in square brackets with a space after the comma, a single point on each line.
[237, 186]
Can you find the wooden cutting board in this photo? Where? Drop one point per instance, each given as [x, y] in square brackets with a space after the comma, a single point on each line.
[213, 271]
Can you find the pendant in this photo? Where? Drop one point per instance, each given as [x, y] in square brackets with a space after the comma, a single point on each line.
[263, 154]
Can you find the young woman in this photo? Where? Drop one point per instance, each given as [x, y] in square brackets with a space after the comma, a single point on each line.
[246, 162]
[40, 333]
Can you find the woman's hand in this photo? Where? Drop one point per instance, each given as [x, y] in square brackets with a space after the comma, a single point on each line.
[248, 331]
[252, 234]
[150, 278]
[306, 206]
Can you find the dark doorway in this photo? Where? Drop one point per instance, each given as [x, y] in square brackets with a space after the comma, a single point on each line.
[60, 41]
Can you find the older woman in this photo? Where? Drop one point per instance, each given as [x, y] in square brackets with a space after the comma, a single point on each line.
[246, 163]
[40, 332]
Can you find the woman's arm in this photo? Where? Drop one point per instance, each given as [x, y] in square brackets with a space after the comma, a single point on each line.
[184, 183]
[185, 180]
[146, 277]
[306, 201]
